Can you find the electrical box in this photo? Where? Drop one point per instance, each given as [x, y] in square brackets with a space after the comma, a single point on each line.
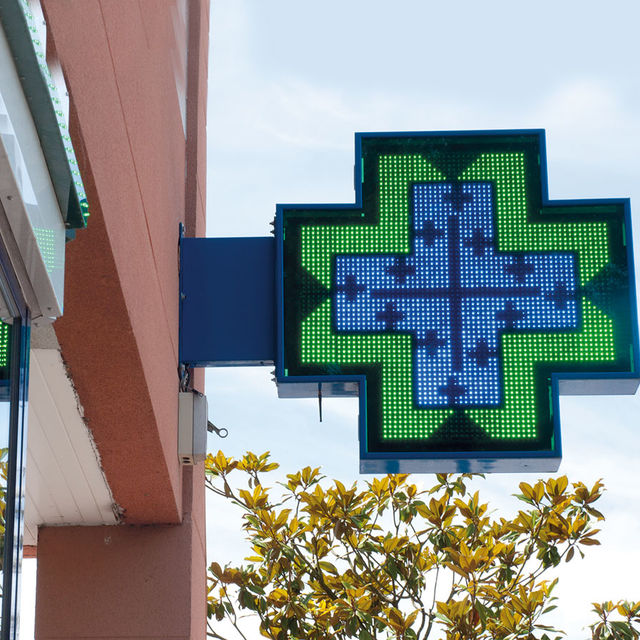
[192, 427]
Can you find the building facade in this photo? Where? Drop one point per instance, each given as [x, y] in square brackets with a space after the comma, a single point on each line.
[115, 520]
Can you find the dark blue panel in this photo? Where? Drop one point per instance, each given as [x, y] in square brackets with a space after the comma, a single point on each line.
[227, 309]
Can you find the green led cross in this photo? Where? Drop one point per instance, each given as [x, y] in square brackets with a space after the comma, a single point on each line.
[523, 421]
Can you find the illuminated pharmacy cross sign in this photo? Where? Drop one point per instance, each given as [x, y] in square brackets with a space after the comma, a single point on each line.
[457, 301]
[456, 295]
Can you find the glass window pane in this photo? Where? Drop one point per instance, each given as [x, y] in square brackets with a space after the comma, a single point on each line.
[14, 350]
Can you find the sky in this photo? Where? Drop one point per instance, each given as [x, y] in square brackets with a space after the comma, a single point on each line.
[290, 82]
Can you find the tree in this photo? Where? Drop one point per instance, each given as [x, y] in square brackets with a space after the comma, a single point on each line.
[392, 560]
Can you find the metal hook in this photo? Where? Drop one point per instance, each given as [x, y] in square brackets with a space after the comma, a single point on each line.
[220, 431]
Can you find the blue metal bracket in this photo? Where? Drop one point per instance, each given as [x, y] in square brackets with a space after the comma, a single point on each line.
[227, 302]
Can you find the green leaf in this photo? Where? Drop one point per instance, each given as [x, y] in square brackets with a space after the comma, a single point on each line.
[444, 618]
[410, 634]
[622, 629]
[256, 588]
[328, 567]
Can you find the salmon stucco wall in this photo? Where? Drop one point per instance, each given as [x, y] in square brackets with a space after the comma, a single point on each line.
[124, 68]
[136, 71]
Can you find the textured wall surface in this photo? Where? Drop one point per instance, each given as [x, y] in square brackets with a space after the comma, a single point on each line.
[119, 333]
[138, 105]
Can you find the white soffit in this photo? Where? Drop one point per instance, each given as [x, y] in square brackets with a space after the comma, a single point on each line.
[65, 484]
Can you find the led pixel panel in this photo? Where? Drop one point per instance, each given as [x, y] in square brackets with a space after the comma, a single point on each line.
[5, 360]
[454, 297]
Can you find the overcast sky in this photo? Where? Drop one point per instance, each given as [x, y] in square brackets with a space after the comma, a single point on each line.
[290, 83]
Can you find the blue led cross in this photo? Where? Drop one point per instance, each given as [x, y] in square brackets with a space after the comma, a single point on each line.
[455, 294]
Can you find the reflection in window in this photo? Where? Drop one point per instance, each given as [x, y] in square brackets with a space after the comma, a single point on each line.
[5, 415]
[14, 359]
